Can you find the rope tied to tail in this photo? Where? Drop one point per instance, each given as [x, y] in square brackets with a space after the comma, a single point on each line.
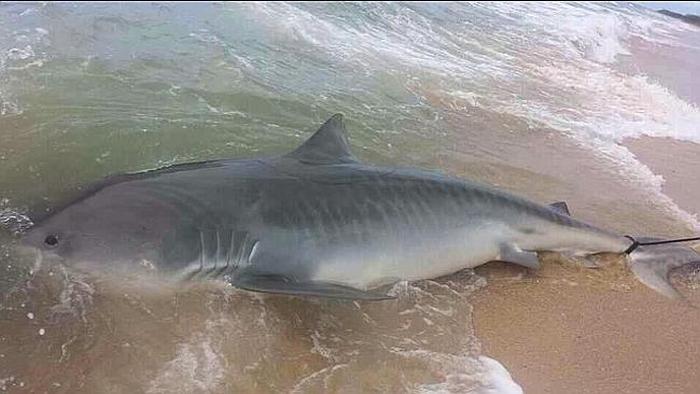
[636, 244]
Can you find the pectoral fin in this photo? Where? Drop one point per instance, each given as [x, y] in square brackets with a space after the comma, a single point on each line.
[512, 254]
[279, 284]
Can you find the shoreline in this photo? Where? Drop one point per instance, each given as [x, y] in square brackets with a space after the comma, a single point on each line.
[567, 329]
[677, 162]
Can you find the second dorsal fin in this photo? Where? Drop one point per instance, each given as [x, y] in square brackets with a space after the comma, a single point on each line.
[560, 207]
[328, 145]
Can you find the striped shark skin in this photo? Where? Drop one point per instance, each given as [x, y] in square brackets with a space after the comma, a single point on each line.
[316, 222]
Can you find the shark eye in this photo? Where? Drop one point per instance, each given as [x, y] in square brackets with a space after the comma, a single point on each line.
[51, 240]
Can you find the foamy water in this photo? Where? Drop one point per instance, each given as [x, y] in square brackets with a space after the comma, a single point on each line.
[92, 89]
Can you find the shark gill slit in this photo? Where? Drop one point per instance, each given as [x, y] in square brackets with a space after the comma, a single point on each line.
[229, 253]
[241, 250]
[217, 254]
[253, 250]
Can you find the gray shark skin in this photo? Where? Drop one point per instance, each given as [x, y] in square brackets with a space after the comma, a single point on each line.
[315, 221]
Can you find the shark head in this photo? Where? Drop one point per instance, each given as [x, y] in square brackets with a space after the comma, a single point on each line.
[105, 231]
[149, 219]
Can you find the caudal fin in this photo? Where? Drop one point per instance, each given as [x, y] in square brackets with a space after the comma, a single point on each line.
[654, 264]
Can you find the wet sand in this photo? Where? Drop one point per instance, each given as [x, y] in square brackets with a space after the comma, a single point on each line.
[567, 329]
[678, 162]
[559, 331]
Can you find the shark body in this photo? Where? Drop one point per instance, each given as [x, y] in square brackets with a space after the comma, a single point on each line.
[315, 221]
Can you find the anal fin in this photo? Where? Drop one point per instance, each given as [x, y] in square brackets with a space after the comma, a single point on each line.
[512, 254]
[279, 284]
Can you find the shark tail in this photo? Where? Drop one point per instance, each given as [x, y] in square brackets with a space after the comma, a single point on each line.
[654, 264]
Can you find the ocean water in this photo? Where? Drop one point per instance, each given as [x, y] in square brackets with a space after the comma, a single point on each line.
[539, 99]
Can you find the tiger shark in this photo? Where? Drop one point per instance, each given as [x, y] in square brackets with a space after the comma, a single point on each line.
[316, 222]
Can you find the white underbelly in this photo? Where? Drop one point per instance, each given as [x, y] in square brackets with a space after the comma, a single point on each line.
[388, 261]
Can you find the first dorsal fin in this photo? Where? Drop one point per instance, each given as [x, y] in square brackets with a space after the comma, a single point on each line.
[329, 145]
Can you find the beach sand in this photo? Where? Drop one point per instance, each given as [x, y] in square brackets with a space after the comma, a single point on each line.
[567, 329]
[561, 331]
[678, 162]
